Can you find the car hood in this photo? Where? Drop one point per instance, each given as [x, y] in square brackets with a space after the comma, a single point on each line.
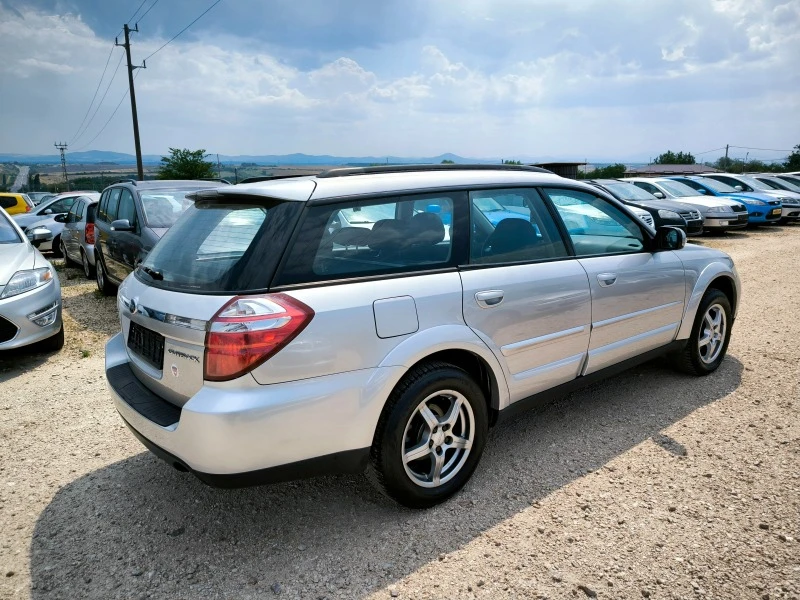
[763, 196]
[27, 219]
[13, 258]
[673, 205]
[709, 201]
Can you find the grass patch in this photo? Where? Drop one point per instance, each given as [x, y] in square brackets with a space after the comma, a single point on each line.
[86, 353]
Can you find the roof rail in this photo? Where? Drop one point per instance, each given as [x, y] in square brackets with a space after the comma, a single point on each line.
[133, 181]
[347, 171]
[219, 179]
[273, 177]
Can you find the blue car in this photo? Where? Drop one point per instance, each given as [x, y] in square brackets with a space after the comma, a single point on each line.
[762, 208]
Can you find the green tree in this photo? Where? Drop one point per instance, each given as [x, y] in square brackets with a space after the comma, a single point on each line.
[185, 164]
[447, 161]
[614, 171]
[512, 162]
[672, 158]
[793, 161]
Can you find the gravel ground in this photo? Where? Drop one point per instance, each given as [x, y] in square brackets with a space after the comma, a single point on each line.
[652, 484]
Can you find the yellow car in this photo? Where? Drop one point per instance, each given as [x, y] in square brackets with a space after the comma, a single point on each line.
[15, 204]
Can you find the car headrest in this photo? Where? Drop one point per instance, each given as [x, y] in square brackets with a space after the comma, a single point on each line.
[426, 229]
[388, 234]
[511, 235]
[350, 236]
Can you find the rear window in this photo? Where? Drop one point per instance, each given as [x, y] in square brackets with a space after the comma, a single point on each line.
[222, 247]
[163, 207]
[90, 210]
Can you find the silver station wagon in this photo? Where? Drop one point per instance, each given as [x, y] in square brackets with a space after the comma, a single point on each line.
[384, 318]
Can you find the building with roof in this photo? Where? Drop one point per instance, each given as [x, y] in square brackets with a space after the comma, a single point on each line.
[663, 170]
[564, 169]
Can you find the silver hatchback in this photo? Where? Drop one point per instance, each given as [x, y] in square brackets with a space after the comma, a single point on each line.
[384, 318]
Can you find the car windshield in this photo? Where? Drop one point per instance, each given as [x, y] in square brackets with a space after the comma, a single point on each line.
[8, 235]
[677, 189]
[717, 186]
[784, 184]
[755, 183]
[163, 207]
[628, 191]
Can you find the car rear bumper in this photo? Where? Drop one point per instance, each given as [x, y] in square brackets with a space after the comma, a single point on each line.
[17, 315]
[242, 433]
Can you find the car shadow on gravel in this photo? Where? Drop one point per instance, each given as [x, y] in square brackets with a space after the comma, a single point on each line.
[138, 528]
[93, 311]
[14, 363]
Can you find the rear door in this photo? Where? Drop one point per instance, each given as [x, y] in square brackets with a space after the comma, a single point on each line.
[128, 243]
[523, 295]
[637, 295]
[68, 234]
[109, 241]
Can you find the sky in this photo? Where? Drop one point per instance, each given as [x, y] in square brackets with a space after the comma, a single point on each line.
[599, 80]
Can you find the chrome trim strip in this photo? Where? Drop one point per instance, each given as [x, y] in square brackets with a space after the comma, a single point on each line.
[633, 315]
[137, 309]
[564, 362]
[516, 347]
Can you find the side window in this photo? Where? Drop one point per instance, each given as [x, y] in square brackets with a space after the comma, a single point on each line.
[102, 206]
[72, 215]
[512, 225]
[357, 238]
[7, 202]
[649, 187]
[594, 225]
[692, 184]
[734, 183]
[81, 209]
[127, 209]
[113, 204]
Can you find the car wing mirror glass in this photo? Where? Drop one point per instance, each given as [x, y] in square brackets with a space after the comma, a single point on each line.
[670, 238]
[121, 225]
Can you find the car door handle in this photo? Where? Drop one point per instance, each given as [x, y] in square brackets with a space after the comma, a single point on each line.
[489, 298]
[606, 279]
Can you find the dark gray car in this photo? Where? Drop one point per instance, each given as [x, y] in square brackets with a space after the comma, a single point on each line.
[131, 217]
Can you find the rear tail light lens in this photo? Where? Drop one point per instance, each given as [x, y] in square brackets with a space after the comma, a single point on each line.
[27, 207]
[248, 331]
[90, 233]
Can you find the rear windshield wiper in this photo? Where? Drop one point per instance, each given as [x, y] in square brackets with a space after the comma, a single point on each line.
[157, 275]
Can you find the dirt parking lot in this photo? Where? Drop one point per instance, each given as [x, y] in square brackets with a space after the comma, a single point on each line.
[649, 485]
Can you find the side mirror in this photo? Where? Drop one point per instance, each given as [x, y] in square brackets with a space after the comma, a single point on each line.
[738, 188]
[670, 238]
[702, 191]
[47, 211]
[41, 235]
[121, 225]
[60, 218]
[659, 195]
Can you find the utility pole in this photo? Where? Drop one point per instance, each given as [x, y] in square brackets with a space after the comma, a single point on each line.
[219, 168]
[726, 156]
[62, 147]
[127, 46]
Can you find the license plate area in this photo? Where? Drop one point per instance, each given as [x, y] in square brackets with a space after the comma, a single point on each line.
[776, 211]
[147, 345]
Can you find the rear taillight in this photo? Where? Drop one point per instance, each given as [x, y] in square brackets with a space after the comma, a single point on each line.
[248, 331]
[27, 207]
[90, 233]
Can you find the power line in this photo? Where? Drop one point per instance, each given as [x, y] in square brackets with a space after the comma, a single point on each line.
[97, 89]
[762, 149]
[183, 30]
[137, 10]
[99, 104]
[139, 20]
[708, 151]
[103, 128]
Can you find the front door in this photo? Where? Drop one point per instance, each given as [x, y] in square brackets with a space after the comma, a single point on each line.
[523, 295]
[637, 295]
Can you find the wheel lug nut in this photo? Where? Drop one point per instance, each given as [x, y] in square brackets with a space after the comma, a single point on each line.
[435, 429]
[438, 450]
[445, 427]
[430, 444]
[448, 440]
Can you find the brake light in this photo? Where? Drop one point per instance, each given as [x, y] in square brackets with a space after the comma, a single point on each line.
[27, 207]
[89, 233]
[246, 332]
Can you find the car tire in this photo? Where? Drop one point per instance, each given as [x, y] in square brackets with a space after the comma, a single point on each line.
[53, 343]
[56, 247]
[67, 260]
[711, 333]
[440, 411]
[103, 284]
[88, 269]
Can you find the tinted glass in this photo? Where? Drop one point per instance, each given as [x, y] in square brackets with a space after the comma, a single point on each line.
[113, 203]
[677, 189]
[594, 225]
[511, 226]
[90, 213]
[396, 234]
[717, 186]
[8, 202]
[72, 215]
[628, 191]
[754, 183]
[163, 207]
[126, 209]
[61, 206]
[8, 235]
[787, 185]
[222, 247]
[103, 206]
[81, 209]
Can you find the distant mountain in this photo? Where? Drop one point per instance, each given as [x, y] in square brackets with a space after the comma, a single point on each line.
[120, 158]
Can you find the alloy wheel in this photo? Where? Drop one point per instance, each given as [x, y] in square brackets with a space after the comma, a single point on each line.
[712, 333]
[438, 438]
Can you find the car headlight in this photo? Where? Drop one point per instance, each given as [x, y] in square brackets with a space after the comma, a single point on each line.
[756, 202]
[720, 209]
[782, 199]
[25, 281]
[669, 214]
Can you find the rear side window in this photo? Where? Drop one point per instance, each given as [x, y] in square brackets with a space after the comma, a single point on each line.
[90, 213]
[127, 209]
[222, 247]
[8, 201]
[113, 204]
[359, 238]
[103, 206]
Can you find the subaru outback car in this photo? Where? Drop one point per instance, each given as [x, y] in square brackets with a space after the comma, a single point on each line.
[261, 339]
